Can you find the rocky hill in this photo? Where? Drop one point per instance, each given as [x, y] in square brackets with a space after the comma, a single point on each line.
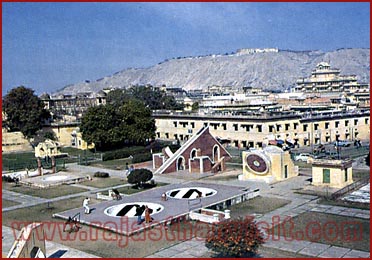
[267, 70]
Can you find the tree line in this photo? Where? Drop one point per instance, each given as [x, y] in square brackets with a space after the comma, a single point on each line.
[126, 118]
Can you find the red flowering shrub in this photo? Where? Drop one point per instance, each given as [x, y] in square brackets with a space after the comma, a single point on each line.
[235, 238]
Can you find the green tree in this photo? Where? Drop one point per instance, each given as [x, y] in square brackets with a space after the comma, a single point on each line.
[118, 97]
[111, 127]
[137, 123]
[153, 98]
[139, 176]
[235, 238]
[24, 111]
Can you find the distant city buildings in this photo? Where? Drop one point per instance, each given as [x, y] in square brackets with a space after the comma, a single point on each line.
[323, 79]
[321, 109]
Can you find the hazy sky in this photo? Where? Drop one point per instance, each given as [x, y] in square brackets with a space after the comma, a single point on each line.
[49, 45]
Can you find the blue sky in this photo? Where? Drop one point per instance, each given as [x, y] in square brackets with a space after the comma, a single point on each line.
[49, 45]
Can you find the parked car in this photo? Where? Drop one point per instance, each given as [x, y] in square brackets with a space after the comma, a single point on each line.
[320, 149]
[343, 143]
[303, 157]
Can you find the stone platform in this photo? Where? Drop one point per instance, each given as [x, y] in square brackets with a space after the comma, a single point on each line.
[174, 209]
[54, 179]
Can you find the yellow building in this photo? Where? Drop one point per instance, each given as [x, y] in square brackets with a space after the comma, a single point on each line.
[48, 148]
[68, 134]
[254, 130]
[268, 164]
[14, 142]
[332, 173]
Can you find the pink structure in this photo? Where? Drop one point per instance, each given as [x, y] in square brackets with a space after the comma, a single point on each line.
[201, 153]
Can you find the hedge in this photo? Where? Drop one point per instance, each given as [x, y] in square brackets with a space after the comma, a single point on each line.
[142, 157]
[122, 153]
[139, 153]
[101, 175]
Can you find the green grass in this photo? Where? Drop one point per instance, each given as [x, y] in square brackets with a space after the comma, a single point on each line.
[47, 193]
[328, 229]
[18, 161]
[40, 212]
[259, 205]
[76, 152]
[8, 203]
[118, 164]
[104, 182]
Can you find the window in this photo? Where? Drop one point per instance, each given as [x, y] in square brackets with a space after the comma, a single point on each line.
[192, 125]
[345, 174]
[326, 176]
[305, 127]
[355, 121]
[259, 128]
[235, 127]
[224, 126]
[295, 125]
[287, 127]
[346, 122]
[316, 126]
[271, 128]
[175, 123]
[327, 125]
[337, 123]
[366, 121]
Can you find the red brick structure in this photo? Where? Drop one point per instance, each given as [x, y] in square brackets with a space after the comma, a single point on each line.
[201, 153]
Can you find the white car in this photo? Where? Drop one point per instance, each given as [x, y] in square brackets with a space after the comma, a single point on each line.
[303, 157]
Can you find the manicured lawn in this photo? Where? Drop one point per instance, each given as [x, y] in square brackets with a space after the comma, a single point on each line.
[18, 161]
[259, 205]
[8, 203]
[328, 229]
[51, 192]
[104, 182]
[41, 212]
[118, 164]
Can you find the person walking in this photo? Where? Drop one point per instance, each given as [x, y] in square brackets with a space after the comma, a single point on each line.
[147, 214]
[85, 205]
[139, 211]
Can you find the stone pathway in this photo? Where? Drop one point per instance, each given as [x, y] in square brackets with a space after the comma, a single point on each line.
[299, 204]
[195, 248]
[21, 198]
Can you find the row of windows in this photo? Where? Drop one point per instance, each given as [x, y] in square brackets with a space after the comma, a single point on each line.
[272, 128]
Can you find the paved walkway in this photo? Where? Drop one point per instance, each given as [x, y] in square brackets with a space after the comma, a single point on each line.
[195, 248]
[299, 204]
